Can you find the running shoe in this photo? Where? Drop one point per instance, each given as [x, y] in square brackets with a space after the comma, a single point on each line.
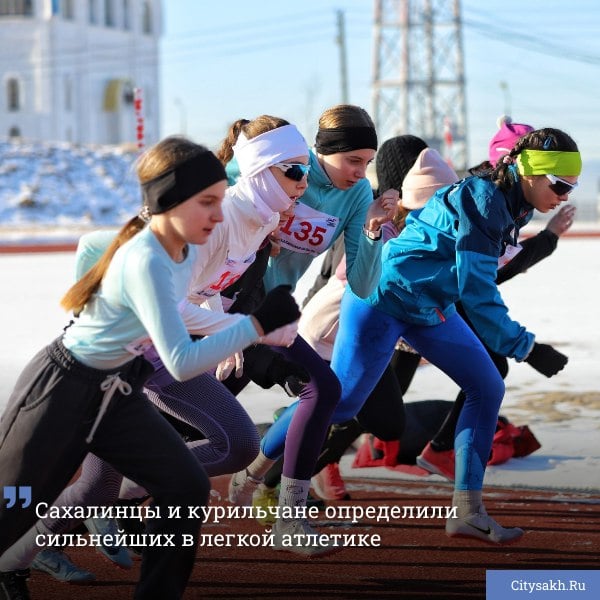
[329, 485]
[440, 463]
[116, 554]
[292, 536]
[265, 498]
[242, 487]
[13, 585]
[58, 565]
[481, 526]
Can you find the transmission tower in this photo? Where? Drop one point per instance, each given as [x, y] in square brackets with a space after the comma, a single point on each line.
[418, 74]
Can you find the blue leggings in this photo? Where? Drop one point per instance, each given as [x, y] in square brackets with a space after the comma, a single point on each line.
[364, 346]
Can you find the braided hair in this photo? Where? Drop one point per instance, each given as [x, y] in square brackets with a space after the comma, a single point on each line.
[505, 174]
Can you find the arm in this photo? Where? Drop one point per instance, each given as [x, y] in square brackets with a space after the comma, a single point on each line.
[539, 246]
[533, 250]
[477, 249]
[363, 259]
[153, 298]
[363, 255]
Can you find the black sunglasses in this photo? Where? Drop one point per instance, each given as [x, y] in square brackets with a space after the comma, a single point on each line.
[559, 186]
[294, 171]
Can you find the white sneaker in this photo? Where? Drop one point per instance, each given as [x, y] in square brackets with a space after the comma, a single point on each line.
[57, 564]
[116, 554]
[481, 526]
[242, 487]
[309, 547]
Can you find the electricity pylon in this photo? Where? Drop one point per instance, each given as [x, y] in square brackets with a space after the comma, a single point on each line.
[418, 74]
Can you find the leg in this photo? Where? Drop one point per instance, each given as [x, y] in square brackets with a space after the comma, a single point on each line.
[362, 351]
[383, 412]
[301, 429]
[444, 438]
[454, 348]
[42, 439]
[404, 365]
[141, 445]
[231, 439]
[98, 485]
[301, 433]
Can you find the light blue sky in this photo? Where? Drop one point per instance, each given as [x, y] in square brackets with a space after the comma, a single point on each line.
[231, 59]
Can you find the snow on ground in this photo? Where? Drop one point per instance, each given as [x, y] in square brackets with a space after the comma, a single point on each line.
[66, 185]
[556, 299]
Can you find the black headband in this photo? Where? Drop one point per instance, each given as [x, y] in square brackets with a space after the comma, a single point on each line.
[182, 182]
[345, 139]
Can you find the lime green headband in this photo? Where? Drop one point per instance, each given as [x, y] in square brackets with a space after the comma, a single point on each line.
[549, 162]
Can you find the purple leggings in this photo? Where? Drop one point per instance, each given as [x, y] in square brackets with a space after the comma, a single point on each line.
[300, 437]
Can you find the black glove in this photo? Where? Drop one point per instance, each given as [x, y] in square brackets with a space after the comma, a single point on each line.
[545, 359]
[277, 309]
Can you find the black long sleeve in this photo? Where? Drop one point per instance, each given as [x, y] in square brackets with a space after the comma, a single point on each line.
[534, 249]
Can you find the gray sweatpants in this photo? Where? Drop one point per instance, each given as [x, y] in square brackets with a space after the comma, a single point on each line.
[42, 443]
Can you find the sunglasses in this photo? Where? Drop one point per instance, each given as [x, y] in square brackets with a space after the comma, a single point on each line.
[294, 171]
[559, 186]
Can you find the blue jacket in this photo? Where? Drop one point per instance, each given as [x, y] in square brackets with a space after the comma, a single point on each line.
[350, 207]
[449, 251]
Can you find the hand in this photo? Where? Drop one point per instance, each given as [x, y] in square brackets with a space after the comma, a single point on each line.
[382, 209]
[277, 309]
[275, 243]
[225, 367]
[545, 359]
[284, 336]
[562, 220]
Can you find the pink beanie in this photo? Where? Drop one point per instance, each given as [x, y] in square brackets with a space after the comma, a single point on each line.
[506, 137]
[429, 173]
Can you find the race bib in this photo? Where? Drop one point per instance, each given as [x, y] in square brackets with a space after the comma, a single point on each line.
[509, 253]
[309, 231]
[228, 275]
[139, 346]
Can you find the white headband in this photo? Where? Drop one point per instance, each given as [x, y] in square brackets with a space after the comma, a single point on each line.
[277, 145]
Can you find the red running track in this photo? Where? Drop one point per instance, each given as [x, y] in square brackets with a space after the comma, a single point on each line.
[415, 561]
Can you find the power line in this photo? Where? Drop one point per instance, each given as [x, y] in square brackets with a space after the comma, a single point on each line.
[530, 42]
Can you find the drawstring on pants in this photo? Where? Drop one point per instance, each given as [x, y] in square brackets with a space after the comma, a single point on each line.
[109, 386]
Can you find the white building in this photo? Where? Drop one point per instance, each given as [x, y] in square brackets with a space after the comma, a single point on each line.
[68, 70]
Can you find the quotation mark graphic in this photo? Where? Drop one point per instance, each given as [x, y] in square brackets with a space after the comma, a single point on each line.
[13, 493]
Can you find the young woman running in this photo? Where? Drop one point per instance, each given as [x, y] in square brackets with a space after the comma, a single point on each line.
[225, 438]
[338, 201]
[448, 251]
[82, 393]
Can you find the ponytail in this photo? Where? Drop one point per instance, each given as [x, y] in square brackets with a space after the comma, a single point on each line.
[79, 294]
[225, 152]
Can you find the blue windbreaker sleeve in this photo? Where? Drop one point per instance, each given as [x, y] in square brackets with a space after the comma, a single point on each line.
[478, 245]
[363, 255]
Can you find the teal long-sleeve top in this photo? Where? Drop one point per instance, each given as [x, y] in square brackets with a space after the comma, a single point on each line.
[323, 213]
[139, 296]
